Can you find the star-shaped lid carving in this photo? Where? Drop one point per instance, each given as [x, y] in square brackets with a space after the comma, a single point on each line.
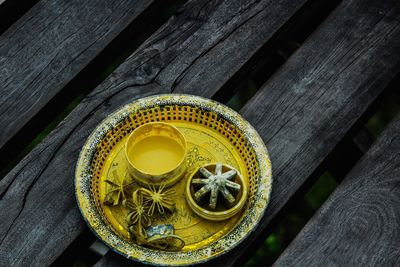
[215, 183]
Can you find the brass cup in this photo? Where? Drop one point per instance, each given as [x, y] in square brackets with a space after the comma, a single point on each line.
[156, 154]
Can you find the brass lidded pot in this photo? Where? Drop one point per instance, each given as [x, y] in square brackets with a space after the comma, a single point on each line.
[212, 210]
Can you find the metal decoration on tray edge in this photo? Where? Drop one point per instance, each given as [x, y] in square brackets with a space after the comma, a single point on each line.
[90, 162]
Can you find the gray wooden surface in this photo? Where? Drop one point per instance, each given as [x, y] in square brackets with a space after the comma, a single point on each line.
[302, 112]
[43, 218]
[50, 45]
[359, 224]
[308, 106]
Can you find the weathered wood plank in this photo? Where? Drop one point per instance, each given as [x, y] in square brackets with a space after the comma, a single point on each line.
[42, 217]
[359, 224]
[48, 46]
[307, 107]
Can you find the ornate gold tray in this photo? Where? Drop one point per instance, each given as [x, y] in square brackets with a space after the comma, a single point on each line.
[214, 133]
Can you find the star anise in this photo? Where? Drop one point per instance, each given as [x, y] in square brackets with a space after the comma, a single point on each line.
[137, 213]
[117, 189]
[214, 184]
[159, 199]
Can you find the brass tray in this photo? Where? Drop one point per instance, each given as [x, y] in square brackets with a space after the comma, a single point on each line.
[214, 133]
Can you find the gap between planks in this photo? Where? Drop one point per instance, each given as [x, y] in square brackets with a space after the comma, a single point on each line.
[189, 44]
[362, 213]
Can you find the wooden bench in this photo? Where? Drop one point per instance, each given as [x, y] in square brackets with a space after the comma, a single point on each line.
[304, 107]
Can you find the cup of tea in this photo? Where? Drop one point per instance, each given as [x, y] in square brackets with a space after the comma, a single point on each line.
[156, 154]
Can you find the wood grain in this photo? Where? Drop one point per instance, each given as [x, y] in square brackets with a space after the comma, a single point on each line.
[308, 106]
[315, 98]
[48, 47]
[359, 224]
[42, 218]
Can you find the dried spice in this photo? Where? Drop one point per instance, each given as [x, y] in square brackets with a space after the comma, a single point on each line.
[137, 215]
[214, 184]
[138, 219]
[159, 199]
[144, 204]
[116, 189]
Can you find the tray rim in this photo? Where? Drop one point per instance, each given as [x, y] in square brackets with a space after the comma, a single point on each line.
[157, 257]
